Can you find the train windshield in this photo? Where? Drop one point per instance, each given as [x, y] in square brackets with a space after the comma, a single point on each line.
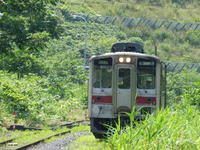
[146, 74]
[102, 73]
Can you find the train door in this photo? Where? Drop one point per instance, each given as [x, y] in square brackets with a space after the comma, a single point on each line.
[125, 88]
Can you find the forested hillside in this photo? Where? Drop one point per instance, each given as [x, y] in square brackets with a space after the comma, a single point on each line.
[42, 77]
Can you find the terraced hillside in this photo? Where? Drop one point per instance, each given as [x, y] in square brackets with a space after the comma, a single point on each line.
[182, 46]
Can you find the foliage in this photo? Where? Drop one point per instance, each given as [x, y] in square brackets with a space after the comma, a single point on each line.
[161, 35]
[60, 90]
[137, 40]
[20, 96]
[21, 63]
[171, 45]
[193, 37]
[28, 136]
[26, 26]
[192, 94]
[173, 128]
[180, 83]
[31, 98]
[160, 9]
[180, 3]
[88, 142]
[42, 50]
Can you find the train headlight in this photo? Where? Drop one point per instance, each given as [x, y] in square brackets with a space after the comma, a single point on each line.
[128, 59]
[121, 59]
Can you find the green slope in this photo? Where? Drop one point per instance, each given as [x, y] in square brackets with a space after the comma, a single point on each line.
[143, 8]
[182, 46]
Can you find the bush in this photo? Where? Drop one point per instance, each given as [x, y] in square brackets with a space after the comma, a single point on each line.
[161, 35]
[121, 35]
[180, 83]
[193, 37]
[192, 94]
[137, 40]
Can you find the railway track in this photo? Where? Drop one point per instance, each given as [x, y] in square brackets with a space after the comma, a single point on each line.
[7, 141]
[10, 144]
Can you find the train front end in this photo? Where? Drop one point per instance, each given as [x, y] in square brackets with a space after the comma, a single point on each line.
[120, 82]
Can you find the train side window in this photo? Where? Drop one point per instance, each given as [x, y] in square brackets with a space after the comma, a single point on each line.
[102, 73]
[146, 74]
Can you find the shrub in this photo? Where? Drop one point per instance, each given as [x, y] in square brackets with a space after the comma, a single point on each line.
[137, 40]
[193, 37]
[192, 94]
[161, 35]
[179, 83]
[121, 35]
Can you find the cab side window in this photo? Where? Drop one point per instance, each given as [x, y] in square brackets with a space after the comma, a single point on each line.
[102, 73]
[146, 74]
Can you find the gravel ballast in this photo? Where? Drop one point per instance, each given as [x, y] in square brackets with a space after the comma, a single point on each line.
[59, 144]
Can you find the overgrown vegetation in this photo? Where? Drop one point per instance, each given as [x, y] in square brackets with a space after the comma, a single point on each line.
[88, 142]
[36, 101]
[181, 84]
[172, 45]
[27, 137]
[41, 53]
[174, 128]
[182, 10]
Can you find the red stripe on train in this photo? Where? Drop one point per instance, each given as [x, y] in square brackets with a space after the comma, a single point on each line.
[146, 100]
[102, 99]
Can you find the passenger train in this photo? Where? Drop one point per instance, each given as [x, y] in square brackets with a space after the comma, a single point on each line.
[121, 80]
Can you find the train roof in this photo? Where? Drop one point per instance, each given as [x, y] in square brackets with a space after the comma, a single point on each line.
[125, 54]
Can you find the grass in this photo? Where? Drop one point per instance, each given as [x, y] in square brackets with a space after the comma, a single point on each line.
[81, 128]
[175, 128]
[88, 142]
[171, 129]
[6, 135]
[25, 137]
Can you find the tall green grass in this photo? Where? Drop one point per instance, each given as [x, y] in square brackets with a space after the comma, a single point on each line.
[177, 128]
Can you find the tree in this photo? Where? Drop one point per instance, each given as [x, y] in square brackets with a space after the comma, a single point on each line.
[27, 25]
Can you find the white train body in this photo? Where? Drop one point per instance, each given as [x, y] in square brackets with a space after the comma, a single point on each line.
[121, 81]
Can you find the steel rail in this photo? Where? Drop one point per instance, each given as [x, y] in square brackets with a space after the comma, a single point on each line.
[41, 140]
[25, 146]
[7, 141]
